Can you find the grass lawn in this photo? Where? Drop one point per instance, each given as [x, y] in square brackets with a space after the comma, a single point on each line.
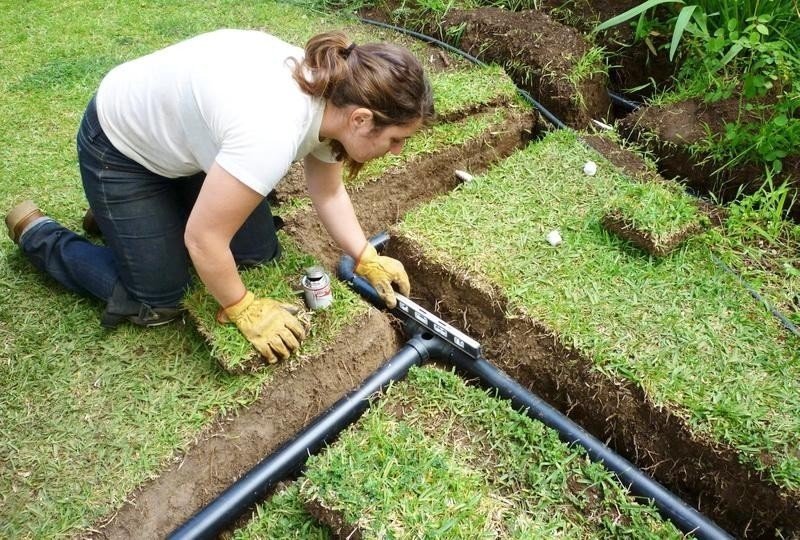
[679, 327]
[437, 458]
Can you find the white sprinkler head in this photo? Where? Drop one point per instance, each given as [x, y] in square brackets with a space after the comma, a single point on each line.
[590, 168]
[554, 237]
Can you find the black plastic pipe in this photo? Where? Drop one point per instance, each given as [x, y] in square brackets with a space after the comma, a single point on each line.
[685, 517]
[621, 100]
[289, 458]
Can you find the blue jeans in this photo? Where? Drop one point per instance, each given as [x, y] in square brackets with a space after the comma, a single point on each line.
[142, 217]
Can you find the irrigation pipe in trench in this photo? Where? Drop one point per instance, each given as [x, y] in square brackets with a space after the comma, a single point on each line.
[421, 347]
[685, 517]
[289, 458]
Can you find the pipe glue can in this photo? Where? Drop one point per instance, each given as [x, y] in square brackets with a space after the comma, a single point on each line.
[317, 288]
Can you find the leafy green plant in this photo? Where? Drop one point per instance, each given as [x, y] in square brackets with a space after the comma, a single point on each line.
[729, 47]
[761, 214]
[769, 142]
[728, 26]
[641, 10]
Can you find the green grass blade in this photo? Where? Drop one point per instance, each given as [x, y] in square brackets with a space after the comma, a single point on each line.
[633, 12]
[680, 26]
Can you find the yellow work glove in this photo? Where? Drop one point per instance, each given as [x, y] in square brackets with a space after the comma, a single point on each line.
[381, 272]
[268, 324]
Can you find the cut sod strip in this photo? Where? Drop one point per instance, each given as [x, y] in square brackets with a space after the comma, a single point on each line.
[279, 280]
[470, 88]
[436, 458]
[656, 217]
[680, 328]
[284, 517]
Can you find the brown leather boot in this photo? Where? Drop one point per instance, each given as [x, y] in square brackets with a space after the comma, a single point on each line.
[20, 217]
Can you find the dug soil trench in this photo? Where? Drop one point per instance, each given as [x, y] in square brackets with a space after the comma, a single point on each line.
[539, 49]
[706, 474]
[538, 53]
[235, 444]
[381, 203]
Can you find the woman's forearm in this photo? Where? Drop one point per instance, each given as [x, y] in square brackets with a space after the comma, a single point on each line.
[216, 268]
[221, 207]
[333, 205]
[339, 218]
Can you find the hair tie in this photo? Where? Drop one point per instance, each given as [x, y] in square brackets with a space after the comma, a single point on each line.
[349, 49]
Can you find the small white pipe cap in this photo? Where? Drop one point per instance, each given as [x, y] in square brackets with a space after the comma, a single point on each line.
[554, 237]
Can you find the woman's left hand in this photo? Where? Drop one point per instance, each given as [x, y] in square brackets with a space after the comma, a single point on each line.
[382, 272]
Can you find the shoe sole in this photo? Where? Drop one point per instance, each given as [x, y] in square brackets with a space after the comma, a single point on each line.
[17, 215]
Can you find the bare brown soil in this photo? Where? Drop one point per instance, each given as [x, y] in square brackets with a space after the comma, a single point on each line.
[238, 442]
[537, 53]
[340, 527]
[706, 474]
[631, 65]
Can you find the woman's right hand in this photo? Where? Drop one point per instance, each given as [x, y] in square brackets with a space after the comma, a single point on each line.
[268, 324]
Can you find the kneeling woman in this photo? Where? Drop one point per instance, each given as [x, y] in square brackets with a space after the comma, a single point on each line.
[179, 148]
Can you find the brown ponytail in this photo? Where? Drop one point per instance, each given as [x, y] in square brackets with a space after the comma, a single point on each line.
[384, 78]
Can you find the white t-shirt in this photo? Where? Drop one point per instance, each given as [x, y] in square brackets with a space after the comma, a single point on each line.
[226, 96]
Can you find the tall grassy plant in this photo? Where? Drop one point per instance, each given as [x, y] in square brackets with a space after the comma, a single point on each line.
[730, 47]
[711, 19]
